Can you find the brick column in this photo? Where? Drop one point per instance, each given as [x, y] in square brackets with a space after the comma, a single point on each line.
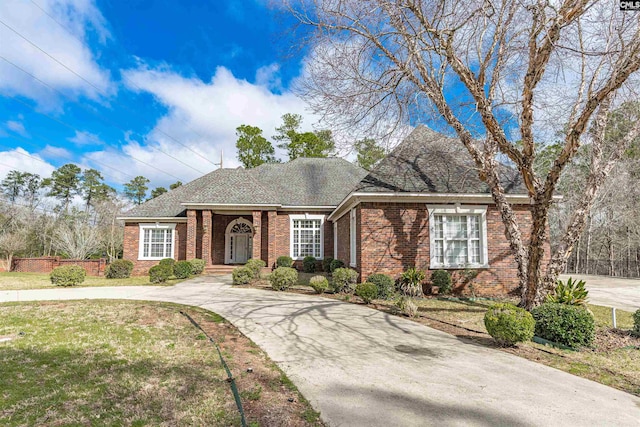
[272, 249]
[257, 235]
[207, 229]
[192, 226]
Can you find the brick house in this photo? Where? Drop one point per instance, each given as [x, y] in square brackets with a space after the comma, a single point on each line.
[423, 205]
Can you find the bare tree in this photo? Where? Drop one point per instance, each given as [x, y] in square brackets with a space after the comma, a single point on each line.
[543, 66]
[77, 239]
[11, 243]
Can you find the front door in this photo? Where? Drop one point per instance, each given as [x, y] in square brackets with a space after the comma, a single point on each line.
[240, 248]
[239, 241]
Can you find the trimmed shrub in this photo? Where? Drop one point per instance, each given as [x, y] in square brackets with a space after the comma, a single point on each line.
[411, 282]
[572, 293]
[309, 264]
[326, 264]
[367, 291]
[167, 262]
[242, 275]
[441, 279]
[636, 322]
[407, 306]
[570, 325]
[335, 264]
[509, 324]
[319, 284]
[283, 278]
[256, 266]
[197, 266]
[119, 269]
[284, 261]
[384, 283]
[182, 269]
[160, 273]
[68, 275]
[344, 280]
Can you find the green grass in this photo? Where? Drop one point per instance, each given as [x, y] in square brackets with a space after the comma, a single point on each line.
[602, 315]
[23, 281]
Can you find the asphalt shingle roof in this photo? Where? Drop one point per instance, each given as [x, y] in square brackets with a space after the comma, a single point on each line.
[429, 162]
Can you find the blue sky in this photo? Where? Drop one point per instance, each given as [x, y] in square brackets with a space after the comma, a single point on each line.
[140, 87]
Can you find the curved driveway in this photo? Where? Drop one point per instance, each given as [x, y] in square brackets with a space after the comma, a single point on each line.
[362, 367]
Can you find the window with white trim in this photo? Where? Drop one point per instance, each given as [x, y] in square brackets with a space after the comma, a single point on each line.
[458, 236]
[307, 236]
[352, 238]
[156, 241]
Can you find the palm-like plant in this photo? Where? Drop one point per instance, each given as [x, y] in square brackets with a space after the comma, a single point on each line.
[411, 282]
[571, 293]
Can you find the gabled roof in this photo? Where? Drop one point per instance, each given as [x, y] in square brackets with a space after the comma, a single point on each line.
[300, 182]
[429, 162]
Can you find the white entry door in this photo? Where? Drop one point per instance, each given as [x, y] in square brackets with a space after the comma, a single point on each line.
[240, 248]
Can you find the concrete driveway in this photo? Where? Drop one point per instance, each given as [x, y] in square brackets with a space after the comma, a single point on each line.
[611, 291]
[361, 367]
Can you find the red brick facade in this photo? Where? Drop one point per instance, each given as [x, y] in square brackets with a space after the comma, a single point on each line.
[131, 246]
[93, 267]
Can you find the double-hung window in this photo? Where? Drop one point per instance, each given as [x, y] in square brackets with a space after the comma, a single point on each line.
[458, 236]
[156, 241]
[307, 236]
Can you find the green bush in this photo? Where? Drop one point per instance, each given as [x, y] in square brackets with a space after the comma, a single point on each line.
[182, 269]
[570, 325]
[441, 279]
[284, 261]
[160, 273]
[119, 269]
[319, 284]
[197, 266]
[384, 283]
[407, 306]
[572, 293]
[344, 280]
[335, 264]
[167, 262]
[283, 278]
[256, 266]
[68, 275]
[242, 275]
[411, 282]
[509, 324]
[326, 264]
[636, 322]
[309, 264]
[367, 291]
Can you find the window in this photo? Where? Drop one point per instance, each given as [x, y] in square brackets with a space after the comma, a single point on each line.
[307, 236]
[156, 241]
[458, 236]
[352, 238]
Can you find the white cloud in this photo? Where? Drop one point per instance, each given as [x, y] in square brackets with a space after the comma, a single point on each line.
[85, 138]
[79, 17]
[201, 115]
[24, 161]
[50, 151]
[17, 127]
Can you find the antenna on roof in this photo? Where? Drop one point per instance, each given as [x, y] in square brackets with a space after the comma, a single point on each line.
[220, 164]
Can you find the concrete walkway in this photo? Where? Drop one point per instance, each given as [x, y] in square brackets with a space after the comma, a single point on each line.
[611, 291]
[362, 367]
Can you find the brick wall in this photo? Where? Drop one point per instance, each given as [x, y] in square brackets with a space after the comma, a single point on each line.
[344, 243]
[131, 247]
[93, 267]
[395, 236]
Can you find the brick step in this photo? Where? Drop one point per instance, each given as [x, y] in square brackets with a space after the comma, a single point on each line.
[219, 269]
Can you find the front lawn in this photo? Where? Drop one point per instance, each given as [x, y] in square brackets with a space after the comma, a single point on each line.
[133, 363]
[22, 281]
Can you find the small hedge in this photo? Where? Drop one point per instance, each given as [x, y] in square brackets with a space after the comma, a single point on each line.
[256, 266]
[242, 275]
[326, 264]
[182, 269]
[68, 275]
[160, 273]
[197, 266]
[335, 264]
[344, 280]
[167, 262]
[309, 264]
[636, 322]
[509, 324]
[384, 283]
[119, 269]
[319, 284]
[284, 261]
[283, 278]
[441, 279]
[367, 291]
[570, 325]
